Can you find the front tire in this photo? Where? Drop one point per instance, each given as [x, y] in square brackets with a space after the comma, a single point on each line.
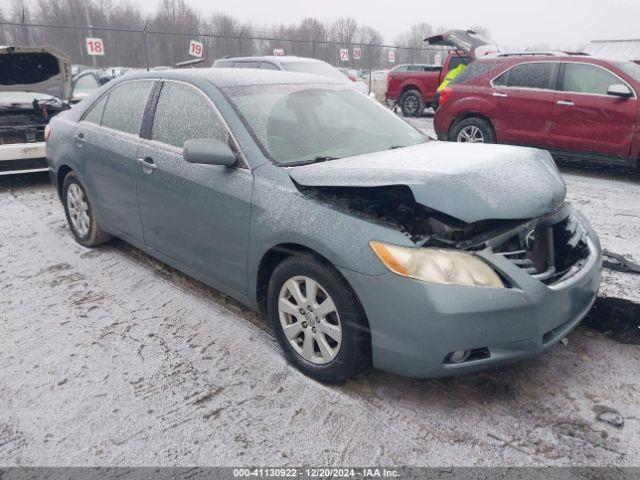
[473, 130]
[412, 104]
[318, 320]
[80, 216]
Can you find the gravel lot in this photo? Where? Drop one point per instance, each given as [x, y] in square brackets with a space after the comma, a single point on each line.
[109, 357]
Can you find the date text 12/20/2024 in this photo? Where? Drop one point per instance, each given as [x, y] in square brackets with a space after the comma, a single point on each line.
[316, 473]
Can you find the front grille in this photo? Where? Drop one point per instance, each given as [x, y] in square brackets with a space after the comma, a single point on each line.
[550, 251]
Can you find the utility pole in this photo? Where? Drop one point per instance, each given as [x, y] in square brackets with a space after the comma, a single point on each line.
[25, 30]
[88, 19]
[146, 47]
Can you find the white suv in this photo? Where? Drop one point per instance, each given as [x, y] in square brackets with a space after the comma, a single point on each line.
[291, 64]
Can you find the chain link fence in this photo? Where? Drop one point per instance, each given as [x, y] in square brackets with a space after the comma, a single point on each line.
[146, 48]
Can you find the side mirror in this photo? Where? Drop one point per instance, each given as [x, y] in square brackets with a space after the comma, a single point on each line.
[620, 90]
[207, 151]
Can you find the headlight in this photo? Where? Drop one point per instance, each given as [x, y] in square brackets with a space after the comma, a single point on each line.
[434, 265]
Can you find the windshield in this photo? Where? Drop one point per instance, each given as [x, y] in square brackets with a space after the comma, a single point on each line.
[316, 68]
[304, 123]
[631, 69]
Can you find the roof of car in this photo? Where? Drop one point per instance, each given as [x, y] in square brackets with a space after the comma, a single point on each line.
[272, 58]
[513, 59]
[236, 77]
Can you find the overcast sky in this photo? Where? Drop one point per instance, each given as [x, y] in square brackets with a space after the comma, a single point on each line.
[514, 23]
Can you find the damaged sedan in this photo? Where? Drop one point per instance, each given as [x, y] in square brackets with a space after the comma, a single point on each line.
[363, 242]
[35, 83]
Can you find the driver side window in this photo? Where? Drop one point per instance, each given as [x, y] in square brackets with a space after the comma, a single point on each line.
[182, 114]
[582, 78]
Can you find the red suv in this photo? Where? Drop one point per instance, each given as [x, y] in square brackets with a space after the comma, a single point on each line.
[574, 106]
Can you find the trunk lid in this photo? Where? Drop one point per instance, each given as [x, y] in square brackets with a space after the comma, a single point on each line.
[469, 182]
[466, 41]
[38, 70]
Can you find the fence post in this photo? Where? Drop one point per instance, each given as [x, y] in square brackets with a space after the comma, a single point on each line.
[370, 63]
[25, 30]
[313, 45]
[146, 48]
[240, 41]
[411, 53]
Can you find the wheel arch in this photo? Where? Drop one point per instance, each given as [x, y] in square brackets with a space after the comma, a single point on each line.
[61, 174]
[276, 255]
[410, 86]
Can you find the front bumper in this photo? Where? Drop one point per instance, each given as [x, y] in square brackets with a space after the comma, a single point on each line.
[415, 325]
[22, 158]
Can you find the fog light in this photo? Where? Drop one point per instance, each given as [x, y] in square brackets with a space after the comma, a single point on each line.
[458, 356]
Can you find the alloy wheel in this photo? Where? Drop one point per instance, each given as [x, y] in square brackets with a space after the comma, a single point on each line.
[310, 320]
[410, 104]
[78, 208]
[470, 134]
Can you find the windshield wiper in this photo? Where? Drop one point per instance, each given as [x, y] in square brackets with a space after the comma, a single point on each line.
[318, 159]
[395, 147]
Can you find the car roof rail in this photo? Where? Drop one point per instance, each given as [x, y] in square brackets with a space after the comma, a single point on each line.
[541, 54]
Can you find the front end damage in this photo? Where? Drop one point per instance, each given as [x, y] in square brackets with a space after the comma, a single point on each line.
[549, 248]
[550, 266]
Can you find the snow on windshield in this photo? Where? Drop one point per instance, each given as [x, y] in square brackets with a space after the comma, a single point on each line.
[303, 123]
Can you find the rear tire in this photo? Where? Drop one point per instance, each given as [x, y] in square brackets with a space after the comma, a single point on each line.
[330, 341]
[412, 104]
[80, 216]
[473, 130]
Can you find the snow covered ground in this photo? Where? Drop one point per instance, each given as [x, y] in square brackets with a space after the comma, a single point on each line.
[108, 357]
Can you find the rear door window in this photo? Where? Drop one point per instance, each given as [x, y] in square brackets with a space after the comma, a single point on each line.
[95, 114]
[183, 113]
[125, 107]
[247, 65]
[86, 84]
[268, 66]
[532, 75]
[456, 61]
[584, 78]
[474, 70]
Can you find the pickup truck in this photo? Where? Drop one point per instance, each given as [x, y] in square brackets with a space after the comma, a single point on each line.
[413, 87]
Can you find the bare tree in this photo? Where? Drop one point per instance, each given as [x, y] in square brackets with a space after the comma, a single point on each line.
[309, 38]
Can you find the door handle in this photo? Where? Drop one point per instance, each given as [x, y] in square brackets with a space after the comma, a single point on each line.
[565, 103]
[147, 164]
[500, 94]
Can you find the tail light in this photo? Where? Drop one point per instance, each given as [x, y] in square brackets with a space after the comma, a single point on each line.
[47, 132]
[352, 78]
[444, 95]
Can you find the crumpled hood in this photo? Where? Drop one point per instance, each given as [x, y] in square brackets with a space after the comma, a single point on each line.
[43, 70]
[468, 182]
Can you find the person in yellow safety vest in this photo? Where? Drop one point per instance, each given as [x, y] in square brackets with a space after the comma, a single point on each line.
[447, 80]
[450, 76]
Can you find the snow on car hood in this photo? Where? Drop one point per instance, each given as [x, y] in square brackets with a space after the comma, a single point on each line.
[468, 182]
[42, 70]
